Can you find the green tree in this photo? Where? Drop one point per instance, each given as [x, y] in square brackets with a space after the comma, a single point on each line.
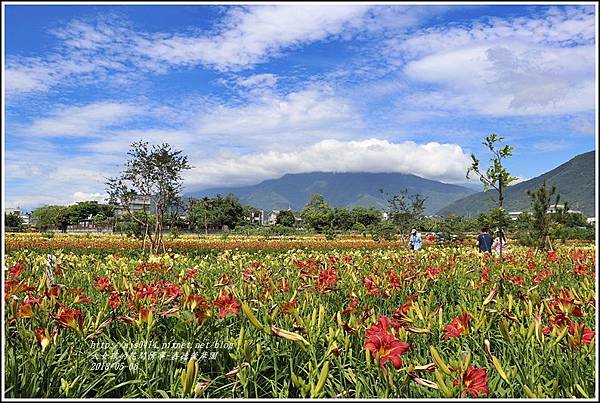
[342, 219]
[154, 174]
[496, 176]
[541, 200]
[286, 218]
[366, 216]
[316, 214]
[51, 217]
[82, 210]
[13, 222]
[216, 212]
[405, 211]
[131, 224]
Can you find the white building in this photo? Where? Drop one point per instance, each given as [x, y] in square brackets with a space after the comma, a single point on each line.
[139, 203]
[272, 217]
[553, 209]
[514, 214]
[257, 217]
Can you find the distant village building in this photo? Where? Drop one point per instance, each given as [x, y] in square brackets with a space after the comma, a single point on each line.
[514, 215]
[553, 209]
[87, 226]
[272, 217]
[25, 217]
[139, 203]
[256, 217]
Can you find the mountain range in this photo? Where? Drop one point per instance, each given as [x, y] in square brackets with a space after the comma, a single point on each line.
[574, 180]
[341, 190]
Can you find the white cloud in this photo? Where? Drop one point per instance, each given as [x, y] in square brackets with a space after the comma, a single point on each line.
[445, 162]
[258, 80]
[82, 121]
[504, 67]
[111, 49]
[83, 196]
[25, 80]
[584, 125]
[550, 146]
[291, 117]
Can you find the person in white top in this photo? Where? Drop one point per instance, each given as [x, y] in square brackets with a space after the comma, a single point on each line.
[499, 241]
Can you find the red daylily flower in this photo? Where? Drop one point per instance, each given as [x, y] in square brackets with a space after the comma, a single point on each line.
[552, 256]
[15, 287]
[32, 300]
[458, 326]
[327, 279]
[25, 311]
[351, 307]
[144, 313]
[542, 276]
[516, 280]
[16, 270]
[195, 301]
[484, 274]
[69, 318]
[388, 347]
[191, 273]
[432, 272]
[394, 281]
[382, 326]
[114, 300]
[80, 299]
[226, 303]
[284, 285]
[370, 285]
[289, 307]
[587, 335]
[475, 381]
[581, 269]
[44, 336]
[103, 283]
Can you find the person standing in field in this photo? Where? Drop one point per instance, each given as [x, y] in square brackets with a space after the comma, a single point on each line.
[414, 240]
[499, 241]
[484, 241]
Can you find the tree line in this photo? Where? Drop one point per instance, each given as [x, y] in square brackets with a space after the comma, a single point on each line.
[155, 174]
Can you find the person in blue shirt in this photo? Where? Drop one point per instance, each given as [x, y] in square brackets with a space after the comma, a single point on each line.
[414, 240]
[484, 241]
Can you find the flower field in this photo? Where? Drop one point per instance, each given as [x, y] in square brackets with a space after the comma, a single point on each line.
[347, 320]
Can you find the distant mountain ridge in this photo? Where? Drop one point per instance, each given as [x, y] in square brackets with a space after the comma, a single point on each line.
[575, 181]
[341, 190]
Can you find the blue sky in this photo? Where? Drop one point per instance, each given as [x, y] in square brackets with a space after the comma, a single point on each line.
[253, 92]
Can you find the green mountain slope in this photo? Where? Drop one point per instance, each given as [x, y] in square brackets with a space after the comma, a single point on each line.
[575, 181]
[341, 190]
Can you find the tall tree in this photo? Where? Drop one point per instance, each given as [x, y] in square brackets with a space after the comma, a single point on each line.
[541, 200]
[217, 211]
[13, 221]
[286, 218]
[404, 210]
[496, 176]
[49, 217]
[153, 174]
[317, 214]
